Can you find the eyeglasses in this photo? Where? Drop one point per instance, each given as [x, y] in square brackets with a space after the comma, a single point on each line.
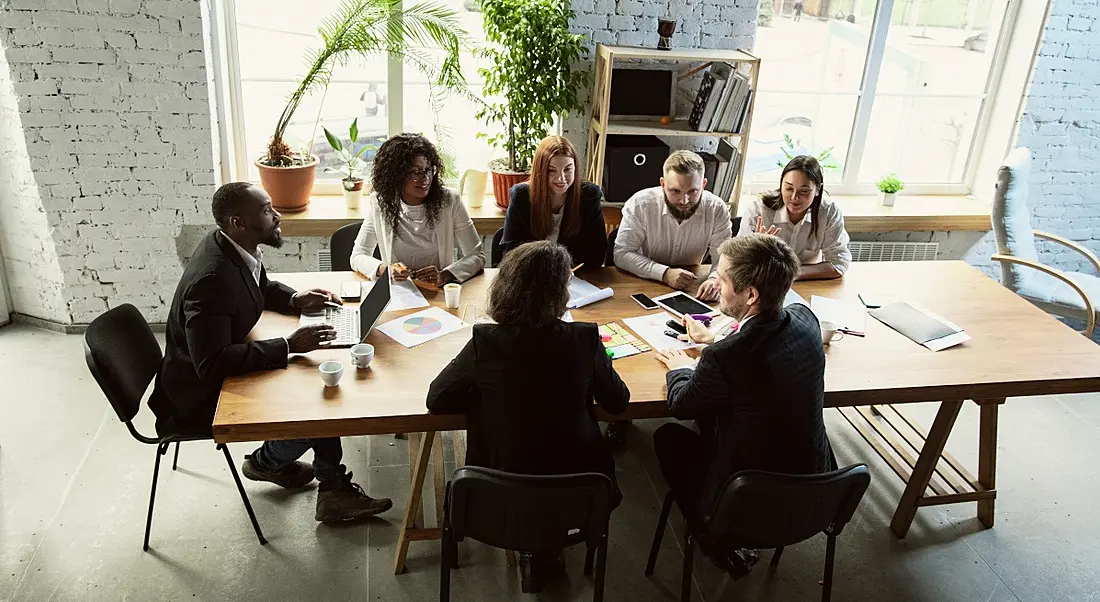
[420, 175]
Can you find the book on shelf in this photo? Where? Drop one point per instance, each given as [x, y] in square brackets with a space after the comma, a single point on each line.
[720, 77]
[710, 169]
[727, 72]
[740, 125]
[722, 100]
[740, 85]
[728, 158]
[701, 98]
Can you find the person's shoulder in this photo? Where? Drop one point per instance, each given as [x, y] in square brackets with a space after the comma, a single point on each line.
[520, 195]
[715, 202]
[644, 198]
[829, 206]
[590, 192]
[802, 314]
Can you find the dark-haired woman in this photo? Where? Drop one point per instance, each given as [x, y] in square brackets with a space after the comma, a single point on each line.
[526, 383]
[414, 219]
[554, 205]
[805, 218]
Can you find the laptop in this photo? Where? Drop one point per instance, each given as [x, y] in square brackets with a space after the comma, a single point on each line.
[353, 324]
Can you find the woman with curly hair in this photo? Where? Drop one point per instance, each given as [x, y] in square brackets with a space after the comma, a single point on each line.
[414, 220]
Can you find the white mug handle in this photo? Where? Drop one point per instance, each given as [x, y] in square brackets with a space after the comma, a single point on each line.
[462, 184]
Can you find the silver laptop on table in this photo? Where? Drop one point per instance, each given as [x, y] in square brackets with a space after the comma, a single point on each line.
[353, 324]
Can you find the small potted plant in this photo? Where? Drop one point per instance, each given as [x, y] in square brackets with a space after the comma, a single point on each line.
[889, 186]
[352, 164]
[533, 55]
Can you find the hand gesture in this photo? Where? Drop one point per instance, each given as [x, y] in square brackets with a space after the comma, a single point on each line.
[771, 230]
[310, 338]
[428, 275]
[674, 359]
[697, 332]
[708, 290]
[678, 279]
[398, 270]
[313, 298]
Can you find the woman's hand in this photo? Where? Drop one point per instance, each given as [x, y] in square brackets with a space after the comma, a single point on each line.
[771, 230]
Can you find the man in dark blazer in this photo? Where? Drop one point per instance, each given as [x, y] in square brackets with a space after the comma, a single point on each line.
[218, 301]
[756, 396]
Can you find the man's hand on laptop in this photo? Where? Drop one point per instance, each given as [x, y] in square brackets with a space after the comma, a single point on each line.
[311, 338]
[313, 298]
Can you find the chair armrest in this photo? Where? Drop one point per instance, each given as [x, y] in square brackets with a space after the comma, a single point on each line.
[1073, 245]
[1089, 308]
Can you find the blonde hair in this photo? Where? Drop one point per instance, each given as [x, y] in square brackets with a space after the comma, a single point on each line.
[764, 262]
[684, 162]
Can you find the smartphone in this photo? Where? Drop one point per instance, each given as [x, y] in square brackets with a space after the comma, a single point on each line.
[678, 327]
[644, 301]
[869, 301]
[351, 291]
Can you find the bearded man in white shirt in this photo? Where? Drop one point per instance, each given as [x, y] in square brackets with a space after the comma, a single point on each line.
[672, 225]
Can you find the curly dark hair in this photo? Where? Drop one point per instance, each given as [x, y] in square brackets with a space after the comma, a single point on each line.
[391, 168]
[532, 287]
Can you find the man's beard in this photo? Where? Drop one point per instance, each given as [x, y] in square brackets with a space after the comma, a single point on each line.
[272, 239]
[735, 310]
[678, 213]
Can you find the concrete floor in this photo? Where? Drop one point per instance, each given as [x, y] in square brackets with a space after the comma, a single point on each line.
[74, 488]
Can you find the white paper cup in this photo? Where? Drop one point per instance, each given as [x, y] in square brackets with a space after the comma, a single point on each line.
[331, 373]
[451, 294]
[361, 355]
[829, 332]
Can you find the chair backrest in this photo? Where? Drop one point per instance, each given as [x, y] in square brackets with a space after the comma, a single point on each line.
[496, 253]
[1012, 218]
[340, 246]
[528, 513]
[760, 509]
[609, 257]
[735, 224]
[123, 357]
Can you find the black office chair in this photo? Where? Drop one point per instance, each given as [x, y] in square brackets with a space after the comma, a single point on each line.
[341, 244]
[526, 513]
[760, 509]
[496, 251]
[123, 357]
[609, 257]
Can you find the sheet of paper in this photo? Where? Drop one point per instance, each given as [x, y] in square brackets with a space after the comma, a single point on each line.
[948, 341]
[793, 297]
[651, 329]
[849, 316]
[405, 295]
[583, 292]
[421, 327]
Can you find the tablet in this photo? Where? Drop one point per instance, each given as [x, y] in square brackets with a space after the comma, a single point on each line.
[681, 303]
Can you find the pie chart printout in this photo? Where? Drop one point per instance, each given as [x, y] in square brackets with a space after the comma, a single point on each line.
[422, 325]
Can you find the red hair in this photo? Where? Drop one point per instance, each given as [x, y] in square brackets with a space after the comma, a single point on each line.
[542, 221]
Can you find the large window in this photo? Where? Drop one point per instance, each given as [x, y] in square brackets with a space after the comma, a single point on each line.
[897, 86]
[269, 39]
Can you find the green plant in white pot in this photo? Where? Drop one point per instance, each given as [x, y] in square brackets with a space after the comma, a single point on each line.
[352, 163]
[889, 185]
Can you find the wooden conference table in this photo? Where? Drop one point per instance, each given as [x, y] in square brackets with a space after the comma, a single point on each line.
[1017, 350]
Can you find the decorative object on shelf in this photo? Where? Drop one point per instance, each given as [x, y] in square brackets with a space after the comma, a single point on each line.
[665, 29]
[889, 186]
[474, 187]
[361, 28]
[352, 181]
[532, 56]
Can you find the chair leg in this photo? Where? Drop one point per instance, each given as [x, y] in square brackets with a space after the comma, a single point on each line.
[244, 496]
[589, 555]
[689, 564]
[162, 448]
[601, 569]
[445, 551]
[827, 584]
[776, 555]
[661, 523]
[176, 456]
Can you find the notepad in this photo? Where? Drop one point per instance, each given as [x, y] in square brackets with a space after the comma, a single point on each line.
[921, 326]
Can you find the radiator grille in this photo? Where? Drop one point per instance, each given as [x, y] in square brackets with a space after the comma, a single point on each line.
[893, 251]
[324, 261]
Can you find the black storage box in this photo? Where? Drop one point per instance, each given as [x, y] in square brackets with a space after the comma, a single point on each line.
[632, 163]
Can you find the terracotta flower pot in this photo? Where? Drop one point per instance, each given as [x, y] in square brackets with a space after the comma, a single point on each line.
[503, 180]
[289, 187]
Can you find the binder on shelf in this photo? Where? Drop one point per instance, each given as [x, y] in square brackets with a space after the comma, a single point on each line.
[740, 125]
[723, 70]
[701, 98]
[710, 168]
[713, 98]
[730, 113]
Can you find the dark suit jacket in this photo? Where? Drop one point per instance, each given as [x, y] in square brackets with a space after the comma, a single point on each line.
[527, 395]
[587, 246]
[756, 397]
[216, 304]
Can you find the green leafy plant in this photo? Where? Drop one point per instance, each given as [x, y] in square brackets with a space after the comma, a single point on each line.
[764, 18]
[368, 27]
[790, 149]
[353, 165]
[532, 56]
[890, 184]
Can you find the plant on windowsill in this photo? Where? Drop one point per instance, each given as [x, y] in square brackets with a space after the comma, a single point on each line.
[532, 54]
[362, 28]
[792, 148]
[889, 186]
[352, 181]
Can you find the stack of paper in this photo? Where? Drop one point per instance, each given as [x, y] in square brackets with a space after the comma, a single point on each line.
[582, 292]
[849, 317]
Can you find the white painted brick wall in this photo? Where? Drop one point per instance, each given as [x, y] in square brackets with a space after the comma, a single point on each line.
[115, 117]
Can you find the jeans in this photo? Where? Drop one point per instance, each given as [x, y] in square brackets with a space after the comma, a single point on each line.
[274, 455]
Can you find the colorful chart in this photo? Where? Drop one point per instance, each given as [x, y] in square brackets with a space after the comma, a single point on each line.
[619, 342]
[422, 325]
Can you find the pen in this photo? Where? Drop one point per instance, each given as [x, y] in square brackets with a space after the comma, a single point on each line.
[578, 266]
[331, 304]
[851, 332]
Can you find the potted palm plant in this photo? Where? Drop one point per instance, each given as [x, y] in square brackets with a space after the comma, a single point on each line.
[361, 28]
[532, 75]
[889, 186]
[353, 165]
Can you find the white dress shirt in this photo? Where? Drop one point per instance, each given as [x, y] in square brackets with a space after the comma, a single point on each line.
[255, 265]
[415, 245]
[829, 243]
[650, 239]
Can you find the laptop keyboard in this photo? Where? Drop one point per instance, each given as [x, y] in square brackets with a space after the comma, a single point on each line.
[344, 320]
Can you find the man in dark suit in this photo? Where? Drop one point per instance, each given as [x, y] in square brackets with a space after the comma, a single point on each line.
[756, 396]
[218, 301]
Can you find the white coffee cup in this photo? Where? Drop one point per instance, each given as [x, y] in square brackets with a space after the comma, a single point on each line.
[830, 331]
[331, 373]
[361, 355]
[451, 294]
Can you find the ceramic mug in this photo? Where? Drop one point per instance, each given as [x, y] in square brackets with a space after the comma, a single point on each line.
[474, 188]
[830, 332]
[331, 373]
[361, 355]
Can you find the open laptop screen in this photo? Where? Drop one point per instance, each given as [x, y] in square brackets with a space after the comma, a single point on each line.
[375, 303]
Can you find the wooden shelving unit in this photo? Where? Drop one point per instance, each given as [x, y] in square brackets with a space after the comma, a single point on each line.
[601, 124]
